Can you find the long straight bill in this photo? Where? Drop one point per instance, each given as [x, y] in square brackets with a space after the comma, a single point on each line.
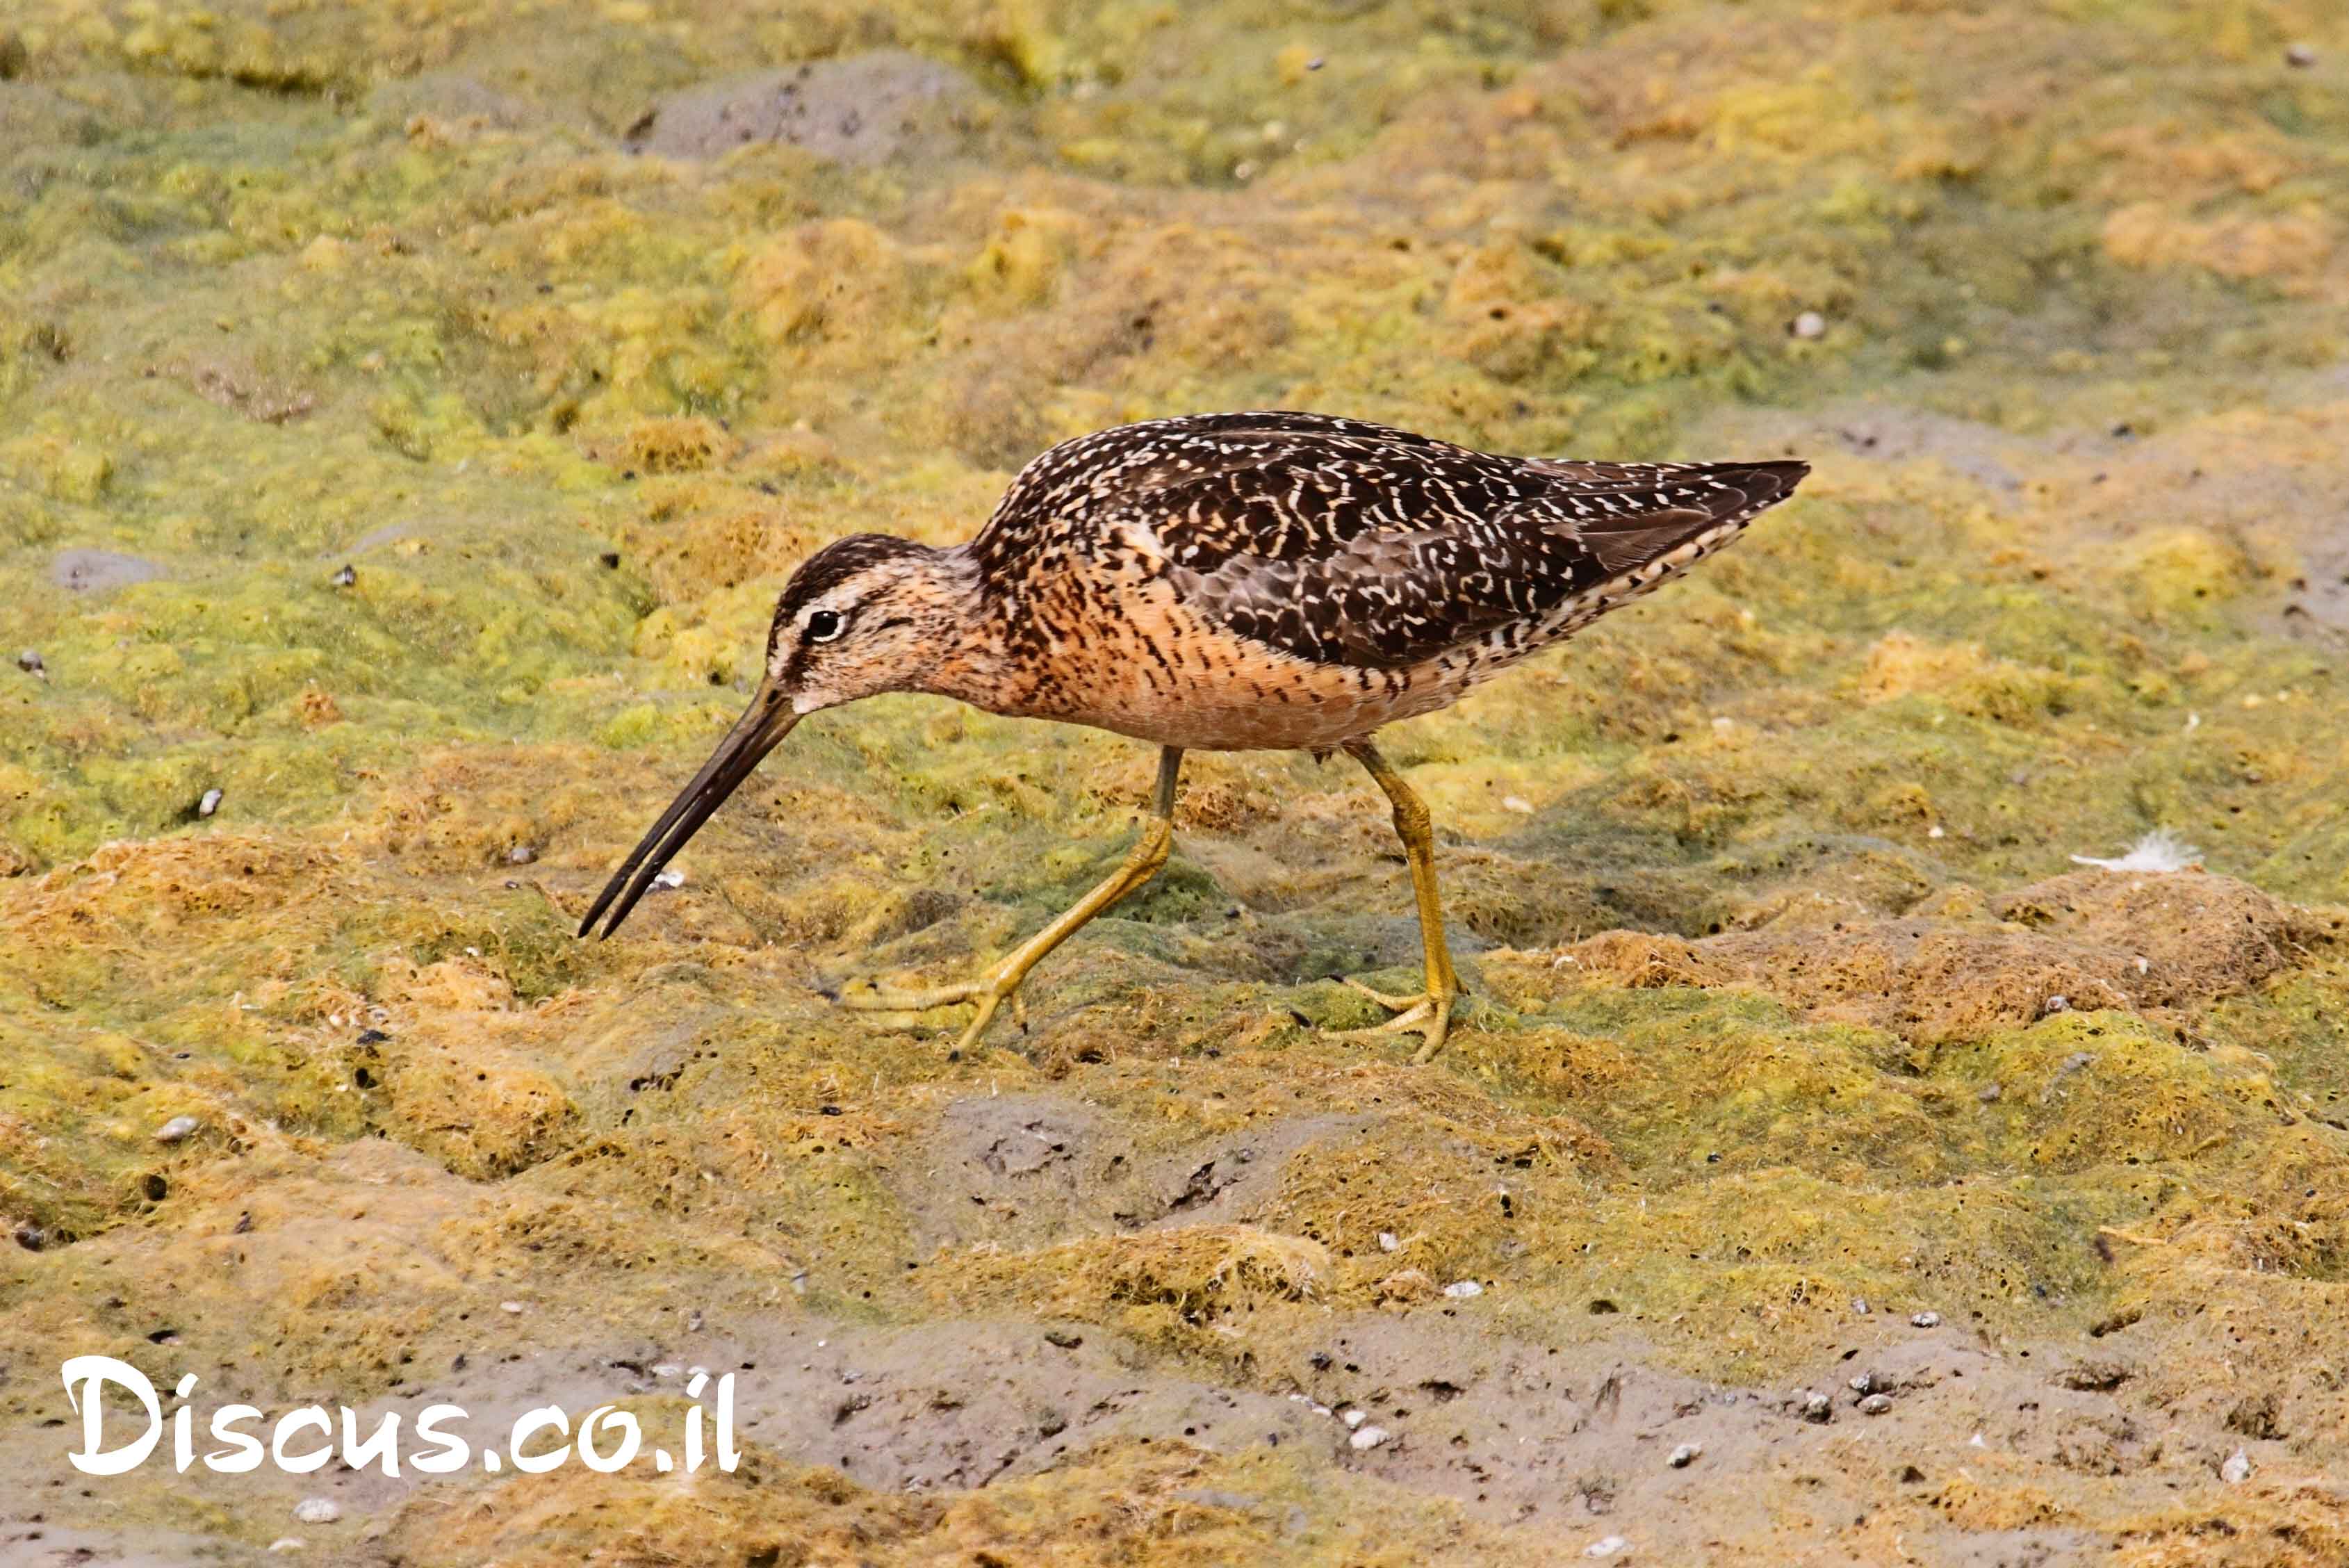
[758, 731]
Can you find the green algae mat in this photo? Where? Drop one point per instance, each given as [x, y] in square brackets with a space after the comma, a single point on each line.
[408, 412]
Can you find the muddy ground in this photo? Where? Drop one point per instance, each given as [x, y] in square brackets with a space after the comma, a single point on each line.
[408, 412]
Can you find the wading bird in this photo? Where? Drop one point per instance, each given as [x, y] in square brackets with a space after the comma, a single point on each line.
[1223, 582]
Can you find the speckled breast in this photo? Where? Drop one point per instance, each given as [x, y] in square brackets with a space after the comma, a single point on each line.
[1151, 669]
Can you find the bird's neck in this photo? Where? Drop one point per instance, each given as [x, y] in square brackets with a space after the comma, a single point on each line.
[963, 632]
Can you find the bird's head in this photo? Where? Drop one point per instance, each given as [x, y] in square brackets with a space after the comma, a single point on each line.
[865, 614]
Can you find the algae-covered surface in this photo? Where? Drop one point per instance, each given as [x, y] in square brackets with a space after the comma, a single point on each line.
[408, 411]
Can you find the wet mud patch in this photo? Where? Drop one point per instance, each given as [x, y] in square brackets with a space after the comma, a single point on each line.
[859, 109]
[101, 571]
[1025, 1170]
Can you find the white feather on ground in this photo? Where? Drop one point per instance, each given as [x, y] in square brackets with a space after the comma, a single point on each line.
[2160, 850]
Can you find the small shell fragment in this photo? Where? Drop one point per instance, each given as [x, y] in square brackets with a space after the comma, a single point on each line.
[210, 804]
[176, 1128]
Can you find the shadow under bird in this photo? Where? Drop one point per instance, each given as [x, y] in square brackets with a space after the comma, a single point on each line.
[1223, 582]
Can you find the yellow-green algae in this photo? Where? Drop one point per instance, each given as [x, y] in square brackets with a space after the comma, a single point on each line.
[1774, 873]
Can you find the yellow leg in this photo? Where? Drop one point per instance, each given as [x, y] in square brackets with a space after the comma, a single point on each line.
[1429, 1014]
[1141, 863]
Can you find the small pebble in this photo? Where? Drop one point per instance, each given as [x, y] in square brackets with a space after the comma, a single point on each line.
[521, 854]
[31, 1237]
[2058, 1004]
[1352, 1417]
[210, 802]
[1864, 1383]
[1876, 1405]
[317, 1511]
[1685, 1456]
[1925, 1320]
[1459, 1289]
[2237, 1470]
[176, 1128]
[1860, 1305]
[1367, 1438]
[1605, 1546]
[1518, 803]
[1817, 1407]
[1317, 62]
[509, 1306]
[287, 1543]
[2300, 57]
[666, 1369]
[1810, 324]
[346, 576]
[1388, 1243]
[30, 663]
[669, 878]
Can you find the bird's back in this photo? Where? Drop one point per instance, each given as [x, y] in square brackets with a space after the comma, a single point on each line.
[1304, 579]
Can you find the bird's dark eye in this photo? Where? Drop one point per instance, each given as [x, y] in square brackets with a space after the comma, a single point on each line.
[823, 626]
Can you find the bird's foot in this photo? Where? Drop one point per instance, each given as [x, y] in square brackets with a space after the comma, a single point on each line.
[1427, 1015]
[991, 993]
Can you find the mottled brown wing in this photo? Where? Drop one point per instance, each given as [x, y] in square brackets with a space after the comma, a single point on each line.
[1383, 558]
